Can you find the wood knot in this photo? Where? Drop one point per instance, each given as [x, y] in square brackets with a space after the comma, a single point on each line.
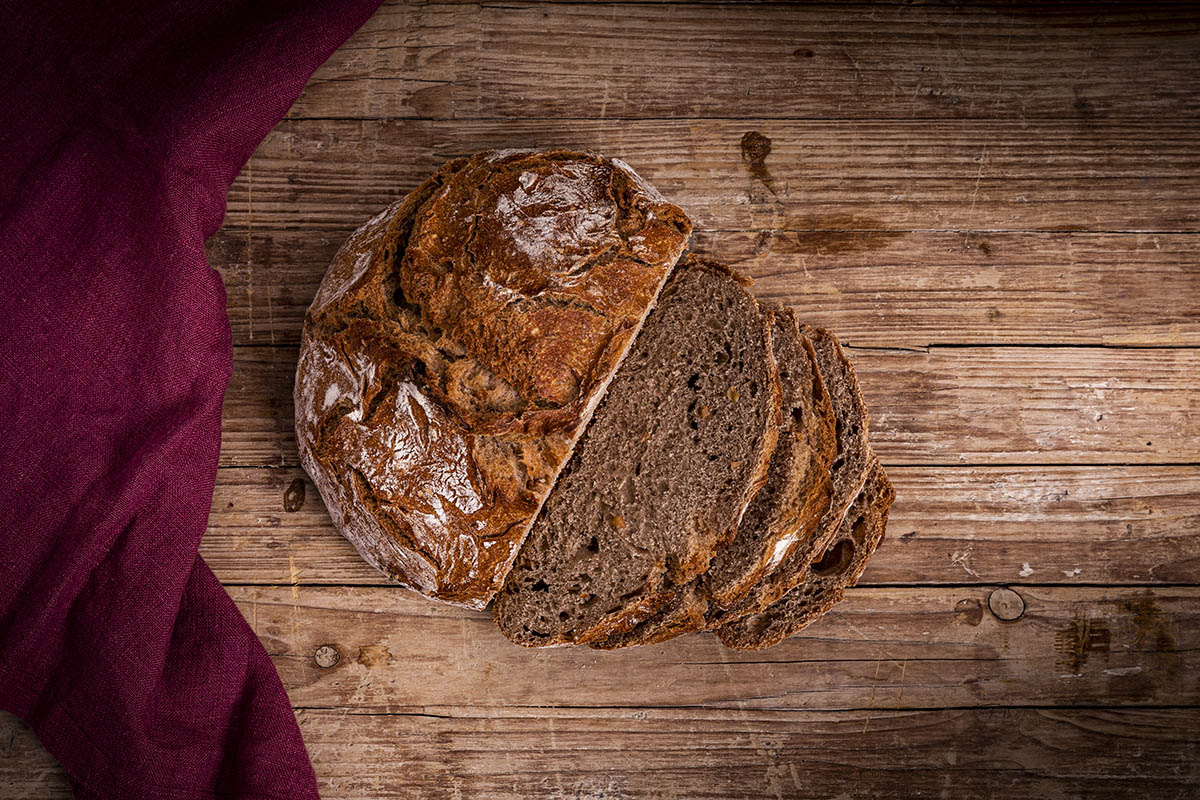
[327, 656]
[1006, 605]
[293, 496]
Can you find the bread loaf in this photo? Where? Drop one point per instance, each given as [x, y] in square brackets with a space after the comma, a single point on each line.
[457, 346]
[492, 406]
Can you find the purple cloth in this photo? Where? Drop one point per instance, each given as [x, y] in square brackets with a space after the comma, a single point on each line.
[123, 125]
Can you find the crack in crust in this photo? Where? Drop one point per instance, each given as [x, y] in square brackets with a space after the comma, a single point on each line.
[458, 344]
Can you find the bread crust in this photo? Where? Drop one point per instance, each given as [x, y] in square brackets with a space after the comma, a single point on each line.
[839, 566]
[457, 346]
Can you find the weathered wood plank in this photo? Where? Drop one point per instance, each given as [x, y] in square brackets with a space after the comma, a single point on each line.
[990, 525]
[703, 753]
[873, 288]
[874, 175]
[926, 647]
[607, 60]
[1032, 405]
[26, 769]
[258, 417]
[745, 754]
[968, 405]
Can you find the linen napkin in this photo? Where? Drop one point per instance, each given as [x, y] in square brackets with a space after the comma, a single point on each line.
[123, 125]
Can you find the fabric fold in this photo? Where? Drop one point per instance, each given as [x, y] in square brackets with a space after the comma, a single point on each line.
[125, 124]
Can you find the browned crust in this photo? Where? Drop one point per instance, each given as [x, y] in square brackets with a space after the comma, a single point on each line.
[840, 566]
[441, 386]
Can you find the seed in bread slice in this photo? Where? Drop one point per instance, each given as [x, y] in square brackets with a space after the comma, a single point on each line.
[663, 474]
[840, 565]
[788, 509]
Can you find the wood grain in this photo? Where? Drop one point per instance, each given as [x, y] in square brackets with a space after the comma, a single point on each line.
[921, 647]
[1138, 175]
[746, 754]
[874, 288]
[997, 209]
[960, 405]
[26, 769]
[715, 753]
[606, 60]
[950, 525]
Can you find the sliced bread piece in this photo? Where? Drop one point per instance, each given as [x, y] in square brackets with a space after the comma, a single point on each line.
[788, 509]
[664, 472]
[849, 470]
[840, 565]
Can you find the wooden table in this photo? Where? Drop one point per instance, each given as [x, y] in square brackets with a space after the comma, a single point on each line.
[997, 211]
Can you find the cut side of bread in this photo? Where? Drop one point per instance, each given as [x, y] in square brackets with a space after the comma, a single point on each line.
[663, 474]
[849, 471]
[788, 509]
[839, 566]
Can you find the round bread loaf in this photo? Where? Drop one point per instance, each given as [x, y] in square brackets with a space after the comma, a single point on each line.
[457, 347]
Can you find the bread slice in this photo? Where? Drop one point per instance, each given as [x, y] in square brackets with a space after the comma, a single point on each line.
[849, 472]
[788, 509]
[663, 474]
[840, 565]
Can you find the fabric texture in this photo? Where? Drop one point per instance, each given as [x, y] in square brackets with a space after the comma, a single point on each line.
[123, 125]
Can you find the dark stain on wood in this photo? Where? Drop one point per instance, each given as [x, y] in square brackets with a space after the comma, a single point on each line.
[968, 611]
[980, 243]
[1152, 635]
[293, 496]
[755, 149]
[1081, 637]
[1149, 625]
[829, 235]
[374, 655]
